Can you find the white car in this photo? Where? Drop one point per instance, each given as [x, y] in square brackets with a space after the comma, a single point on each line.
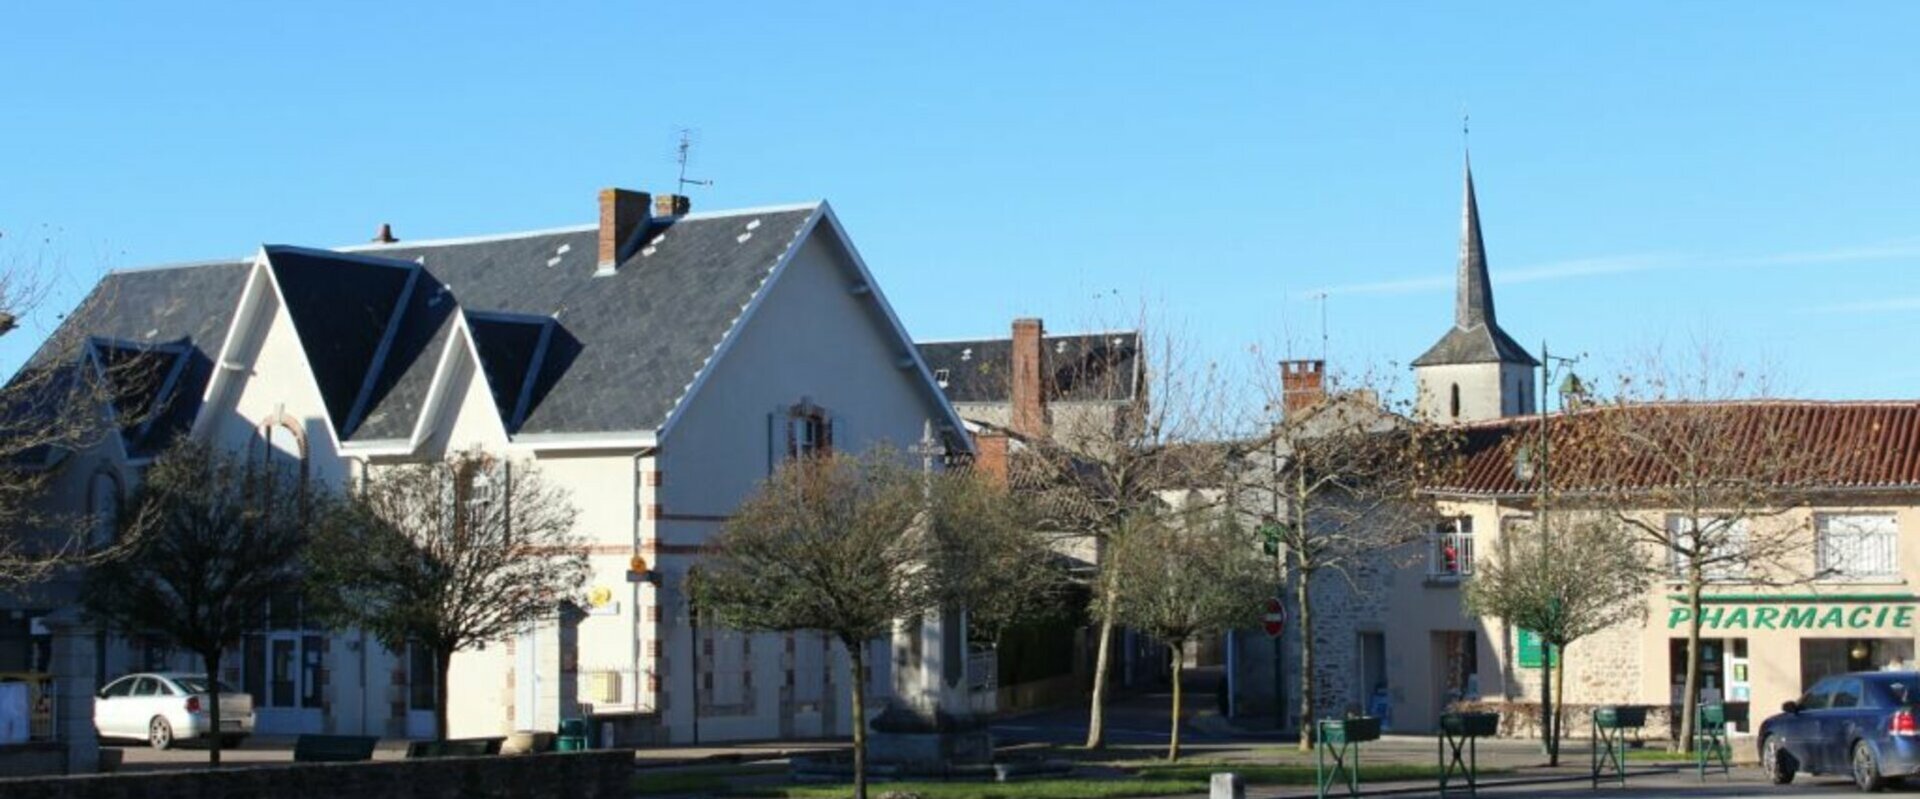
[165, 708]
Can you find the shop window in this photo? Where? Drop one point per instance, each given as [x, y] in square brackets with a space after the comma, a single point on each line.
[1719, 542]
[1857, 546]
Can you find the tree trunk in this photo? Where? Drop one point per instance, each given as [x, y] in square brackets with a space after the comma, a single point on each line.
[211, 659]
[1690, 701]
[1559, 700]
[1546, 701]
[442, 666]
[1179, 665]
[1102, 663]
[1306, 658]
[857, 654]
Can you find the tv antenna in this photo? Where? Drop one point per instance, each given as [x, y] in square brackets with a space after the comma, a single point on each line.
[686, 147]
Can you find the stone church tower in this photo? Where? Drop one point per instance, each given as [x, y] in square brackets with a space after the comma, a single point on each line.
[1476, 371]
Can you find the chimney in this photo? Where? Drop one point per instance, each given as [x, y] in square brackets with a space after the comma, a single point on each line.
[990, 456]
[1302, 385]
[385, 236]
[672, 205]
[1028, 392]
[622, 212]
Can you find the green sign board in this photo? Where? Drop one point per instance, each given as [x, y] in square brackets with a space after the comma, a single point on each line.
[1531, 648]
[1795, 616]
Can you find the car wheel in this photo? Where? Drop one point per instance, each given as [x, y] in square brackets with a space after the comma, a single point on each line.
[1866, 770]
[1777, 761]
[232, 741]
[159, 733]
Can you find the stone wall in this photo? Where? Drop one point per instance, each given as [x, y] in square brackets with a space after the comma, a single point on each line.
[601, 774]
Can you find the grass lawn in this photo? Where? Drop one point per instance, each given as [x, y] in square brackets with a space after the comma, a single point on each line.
[1030, 789]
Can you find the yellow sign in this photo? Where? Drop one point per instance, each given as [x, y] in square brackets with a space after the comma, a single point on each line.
[599, 596]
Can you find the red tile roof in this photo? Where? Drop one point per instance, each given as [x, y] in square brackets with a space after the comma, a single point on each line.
[1802, 443]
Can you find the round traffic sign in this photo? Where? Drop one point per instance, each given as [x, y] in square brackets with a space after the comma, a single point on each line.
[1274, 619]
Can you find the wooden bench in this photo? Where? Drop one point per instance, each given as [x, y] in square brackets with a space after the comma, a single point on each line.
[455, 747]
[333, 748]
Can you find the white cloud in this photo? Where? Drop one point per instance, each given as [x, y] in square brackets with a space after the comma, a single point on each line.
[1623, 264]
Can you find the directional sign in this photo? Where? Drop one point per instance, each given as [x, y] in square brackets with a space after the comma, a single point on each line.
[1275, 618]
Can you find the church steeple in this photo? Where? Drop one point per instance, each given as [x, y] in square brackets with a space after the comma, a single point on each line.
[1476, 371]
[1476, 337]
[1473, 304]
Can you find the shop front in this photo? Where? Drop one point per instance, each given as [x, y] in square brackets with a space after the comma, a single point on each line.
[1760, 650]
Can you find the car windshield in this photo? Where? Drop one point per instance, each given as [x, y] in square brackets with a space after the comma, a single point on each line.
[198, 685]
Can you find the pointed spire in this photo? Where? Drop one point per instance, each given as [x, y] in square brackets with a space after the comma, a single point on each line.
[1473, 306]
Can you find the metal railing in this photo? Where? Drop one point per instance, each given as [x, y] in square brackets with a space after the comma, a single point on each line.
[1856, 555]
[1449, 555]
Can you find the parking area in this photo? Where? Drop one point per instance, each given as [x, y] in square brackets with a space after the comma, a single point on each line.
[258, 750]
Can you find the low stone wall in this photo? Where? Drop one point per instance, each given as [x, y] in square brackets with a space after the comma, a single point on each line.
[599, 774]
[33, 759]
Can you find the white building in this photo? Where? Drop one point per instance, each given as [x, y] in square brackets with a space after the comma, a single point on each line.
[657, 364]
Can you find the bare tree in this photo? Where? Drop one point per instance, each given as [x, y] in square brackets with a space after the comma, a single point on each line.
[1706, 479]
[222, 538]
[70, 397]
[1335, 477]
[451, 555]
[1191, 572]
[1584, 575]
[1094, 480]
[849, 545]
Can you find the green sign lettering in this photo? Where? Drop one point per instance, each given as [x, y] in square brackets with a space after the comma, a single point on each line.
[1798, 616]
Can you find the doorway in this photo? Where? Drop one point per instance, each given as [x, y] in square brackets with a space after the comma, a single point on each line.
[1371, 694]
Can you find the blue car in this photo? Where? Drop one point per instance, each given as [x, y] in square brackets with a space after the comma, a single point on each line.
[1863, 724]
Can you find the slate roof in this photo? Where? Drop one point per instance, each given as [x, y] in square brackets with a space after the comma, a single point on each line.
[1476, 336]
[1853, 445]
[1085, 367]
[158, 331]
[589, 355]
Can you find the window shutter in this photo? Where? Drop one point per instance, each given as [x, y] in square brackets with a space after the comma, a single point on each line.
[828, 433]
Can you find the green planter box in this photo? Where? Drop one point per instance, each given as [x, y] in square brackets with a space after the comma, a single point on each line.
[1472, 725]
[1618, 717]
[1350, 731]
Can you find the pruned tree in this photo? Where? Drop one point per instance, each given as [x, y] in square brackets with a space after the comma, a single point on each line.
[1335, 477]
[1577, 576]
[70, 397]
[1191, 572]
[850, 545]
[1095, 478]
[219, 538]
[1700, 469]
[449, 554]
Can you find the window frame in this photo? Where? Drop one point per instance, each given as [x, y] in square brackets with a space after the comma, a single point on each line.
[1823, 552]
[1723, 573]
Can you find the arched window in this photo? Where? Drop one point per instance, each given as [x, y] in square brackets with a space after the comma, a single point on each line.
[1455, 405]
[103, 507]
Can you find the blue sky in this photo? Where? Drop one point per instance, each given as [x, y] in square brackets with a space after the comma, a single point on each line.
[1650, 175]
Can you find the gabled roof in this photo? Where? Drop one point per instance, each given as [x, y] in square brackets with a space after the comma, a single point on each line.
[566, 353]
[1476, 336]
[153, 334]
[1085, 367]
[1836, 445]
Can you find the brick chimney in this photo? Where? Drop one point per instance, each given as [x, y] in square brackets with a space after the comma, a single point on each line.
[672, 205]
[385, 236]
[990, 456]
[622, 212]
[1302, 385]
[1028, 370]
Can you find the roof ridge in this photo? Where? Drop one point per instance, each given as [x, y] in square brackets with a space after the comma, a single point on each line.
[483, 238]
[1077, 334]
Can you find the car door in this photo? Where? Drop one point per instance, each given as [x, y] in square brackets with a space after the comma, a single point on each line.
[1800, 731]
[1837, 723]
[110, 708]
[142, 705]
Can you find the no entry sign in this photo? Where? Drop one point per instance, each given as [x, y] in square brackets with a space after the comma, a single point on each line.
[1275, 618]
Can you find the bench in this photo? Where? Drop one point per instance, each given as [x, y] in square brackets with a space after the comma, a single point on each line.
[455, 747]
[333, 748]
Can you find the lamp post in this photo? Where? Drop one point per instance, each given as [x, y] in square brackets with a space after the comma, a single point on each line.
[1540, 472]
